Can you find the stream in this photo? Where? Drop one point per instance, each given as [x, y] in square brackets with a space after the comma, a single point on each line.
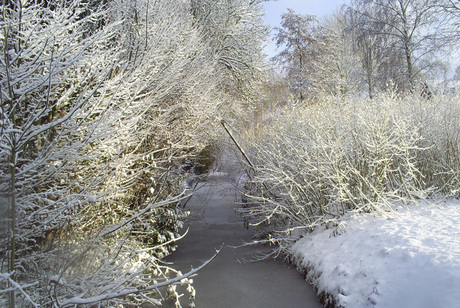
[232, 280]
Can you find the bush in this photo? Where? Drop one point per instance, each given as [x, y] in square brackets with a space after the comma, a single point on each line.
[315, 163]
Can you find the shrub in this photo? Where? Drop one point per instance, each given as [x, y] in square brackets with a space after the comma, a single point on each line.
[315, 163]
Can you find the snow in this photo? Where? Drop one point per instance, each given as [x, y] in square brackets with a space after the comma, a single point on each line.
[410, 258]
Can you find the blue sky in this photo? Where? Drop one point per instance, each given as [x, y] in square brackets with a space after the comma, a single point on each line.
[274, 10]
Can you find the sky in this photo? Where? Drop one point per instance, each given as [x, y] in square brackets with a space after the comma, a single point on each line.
[274, 10]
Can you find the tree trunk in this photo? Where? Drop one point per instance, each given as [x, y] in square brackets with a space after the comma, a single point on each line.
[410, 65]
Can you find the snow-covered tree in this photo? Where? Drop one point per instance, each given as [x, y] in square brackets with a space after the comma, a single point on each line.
[335, 68]
[317, 56]
[100, 104]
[235, 32]
[415, 32]
[46, 87]
[296, 35]
[370, 50]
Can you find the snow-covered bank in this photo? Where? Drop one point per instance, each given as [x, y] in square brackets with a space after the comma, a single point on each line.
[409, 259]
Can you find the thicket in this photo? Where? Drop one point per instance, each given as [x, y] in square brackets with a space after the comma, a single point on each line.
[314, 163]
[102, 104]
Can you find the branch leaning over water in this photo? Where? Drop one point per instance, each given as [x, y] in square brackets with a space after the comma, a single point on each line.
[77, 300]
[224, 124]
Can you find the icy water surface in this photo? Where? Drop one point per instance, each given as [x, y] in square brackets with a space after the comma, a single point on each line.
[230, 280]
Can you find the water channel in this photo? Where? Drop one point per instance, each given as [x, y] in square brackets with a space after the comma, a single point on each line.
[231, 280]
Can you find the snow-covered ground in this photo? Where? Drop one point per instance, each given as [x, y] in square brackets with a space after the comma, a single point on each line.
[409, 259]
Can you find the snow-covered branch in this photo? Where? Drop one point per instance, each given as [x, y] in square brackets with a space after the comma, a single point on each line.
[104, 297]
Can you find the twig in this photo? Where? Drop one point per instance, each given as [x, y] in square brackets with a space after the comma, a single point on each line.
[103, 297]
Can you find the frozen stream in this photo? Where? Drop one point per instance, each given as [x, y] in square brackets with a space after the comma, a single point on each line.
[230, 280]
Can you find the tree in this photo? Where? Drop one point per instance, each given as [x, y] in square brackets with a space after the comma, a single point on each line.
[44, 103]
[101, 104]
[317, 56]
[296, 35]
[335, 66]
[414, 32]
[235, 31]
[91, 211]
[368, 48]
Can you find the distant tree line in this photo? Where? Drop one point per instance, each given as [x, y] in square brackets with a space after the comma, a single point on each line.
[369, 46]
